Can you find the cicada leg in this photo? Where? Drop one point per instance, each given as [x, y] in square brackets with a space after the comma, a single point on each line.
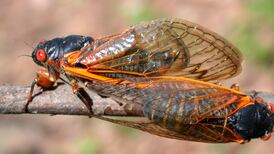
[43, 80]
[82, 95]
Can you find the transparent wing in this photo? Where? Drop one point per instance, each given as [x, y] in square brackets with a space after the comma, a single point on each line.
[168, 99]
[191, 132]
[203, 54]
[175, 47]
[177, 105]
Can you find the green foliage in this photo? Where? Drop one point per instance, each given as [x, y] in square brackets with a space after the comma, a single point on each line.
[141, 12]
[263, 9]
[125, 131]
[225, 149]
[88, 146]
[217, 149]
[247, 36]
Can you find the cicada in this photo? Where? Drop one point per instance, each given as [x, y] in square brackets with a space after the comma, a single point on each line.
[146, 53]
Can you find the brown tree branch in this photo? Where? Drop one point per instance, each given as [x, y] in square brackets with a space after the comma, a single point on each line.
[62, 101]
[58, 101]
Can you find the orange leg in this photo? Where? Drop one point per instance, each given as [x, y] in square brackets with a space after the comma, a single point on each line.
[44, 80]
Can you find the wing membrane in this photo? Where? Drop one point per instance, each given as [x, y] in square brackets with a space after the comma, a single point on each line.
[198, 133]
[176, 47]
[170, 99]
[176, 106]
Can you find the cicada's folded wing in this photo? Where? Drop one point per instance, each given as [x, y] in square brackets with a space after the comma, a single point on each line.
[201, 53]
[153, 128]
[179, 104]
[164, 97]
[166, 46]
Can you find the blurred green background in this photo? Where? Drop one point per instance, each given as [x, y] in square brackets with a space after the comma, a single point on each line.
[249, 24]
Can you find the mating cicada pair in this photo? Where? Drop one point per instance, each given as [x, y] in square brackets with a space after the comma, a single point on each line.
[161, 71]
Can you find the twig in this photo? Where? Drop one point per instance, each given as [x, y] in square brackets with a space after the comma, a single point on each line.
[58, 101]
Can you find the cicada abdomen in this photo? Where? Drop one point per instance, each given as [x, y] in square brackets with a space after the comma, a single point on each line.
[190, 110]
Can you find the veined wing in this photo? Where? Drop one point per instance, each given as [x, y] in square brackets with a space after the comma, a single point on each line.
[168, 99]
[181, 107]
[170, 47]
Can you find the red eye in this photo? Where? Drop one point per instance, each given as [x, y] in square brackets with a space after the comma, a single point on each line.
[41, 55]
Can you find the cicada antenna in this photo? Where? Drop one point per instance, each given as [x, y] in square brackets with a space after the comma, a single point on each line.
[24, 56]
[26, 43]
[29, 45]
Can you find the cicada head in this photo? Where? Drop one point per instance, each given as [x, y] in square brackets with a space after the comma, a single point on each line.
[255, 120]
[53, 50]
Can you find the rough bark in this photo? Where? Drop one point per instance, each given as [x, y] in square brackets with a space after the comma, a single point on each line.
[62, 101]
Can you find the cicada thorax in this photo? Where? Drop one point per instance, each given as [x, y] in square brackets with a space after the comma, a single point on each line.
[49, 54]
